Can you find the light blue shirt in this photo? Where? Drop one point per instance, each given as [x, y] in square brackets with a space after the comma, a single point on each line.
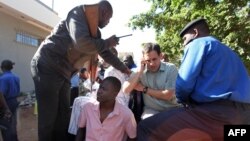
[75, 81]
[163, 79]
[210, 71]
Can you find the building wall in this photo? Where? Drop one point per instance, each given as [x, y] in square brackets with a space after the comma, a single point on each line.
[32, 11]
[20, 53]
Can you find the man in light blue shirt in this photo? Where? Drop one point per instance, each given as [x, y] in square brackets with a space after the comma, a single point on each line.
[155, 79]
[213, 86]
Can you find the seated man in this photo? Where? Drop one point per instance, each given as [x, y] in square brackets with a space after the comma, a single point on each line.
[129, 61]
[106, 118]
[86, 95]
[78, 104]
[156, 79]
[213, 85]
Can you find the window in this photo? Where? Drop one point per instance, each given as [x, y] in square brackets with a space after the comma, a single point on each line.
[27, 39]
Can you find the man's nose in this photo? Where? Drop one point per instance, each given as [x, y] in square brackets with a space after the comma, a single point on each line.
[151, 63]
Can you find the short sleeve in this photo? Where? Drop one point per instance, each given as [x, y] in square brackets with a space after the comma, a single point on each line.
[171, 78]
[83, 117]
[130, 126]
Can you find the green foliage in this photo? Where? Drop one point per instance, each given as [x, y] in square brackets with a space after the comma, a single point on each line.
[229, 21]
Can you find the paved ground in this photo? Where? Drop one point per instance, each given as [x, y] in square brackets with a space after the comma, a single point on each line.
[27, 124]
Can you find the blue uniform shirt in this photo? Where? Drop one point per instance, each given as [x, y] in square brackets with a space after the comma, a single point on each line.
[75, 81]
[210, 71]
[9, 85]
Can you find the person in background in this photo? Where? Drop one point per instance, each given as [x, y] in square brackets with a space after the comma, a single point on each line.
[106, 119]
[10, 87]
[84, 75]
[75, 41]
[74, 89]
[111, 71]
[164, 57]
[135, 99]
[213, 86]
[129, 61]
[103, 65]
[101, 71]
[77, 84]
[156, 79]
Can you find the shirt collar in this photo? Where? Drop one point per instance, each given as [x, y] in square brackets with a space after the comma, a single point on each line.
[115, 111]
[6, 72]
[162, 67]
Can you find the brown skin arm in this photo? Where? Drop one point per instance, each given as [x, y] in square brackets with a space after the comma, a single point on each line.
[3, 103]
[161, 94]
[81, 134]
[133, 81]
[4, 106]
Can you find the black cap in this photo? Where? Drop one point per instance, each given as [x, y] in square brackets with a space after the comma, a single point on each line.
[190, 24]
[7, 64]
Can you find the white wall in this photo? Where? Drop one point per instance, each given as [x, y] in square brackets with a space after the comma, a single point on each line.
[19, 53]
[33, 10]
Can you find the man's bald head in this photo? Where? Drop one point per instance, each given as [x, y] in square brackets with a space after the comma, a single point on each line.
[105, 13]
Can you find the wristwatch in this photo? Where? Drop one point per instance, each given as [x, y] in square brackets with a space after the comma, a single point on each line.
[145, 90]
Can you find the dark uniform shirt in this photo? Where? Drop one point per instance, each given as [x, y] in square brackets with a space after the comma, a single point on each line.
[70, 35]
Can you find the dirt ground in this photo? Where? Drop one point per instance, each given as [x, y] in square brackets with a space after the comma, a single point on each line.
[27, 124]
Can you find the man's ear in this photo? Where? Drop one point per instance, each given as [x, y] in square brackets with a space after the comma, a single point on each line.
[105, 12]
[196, 31]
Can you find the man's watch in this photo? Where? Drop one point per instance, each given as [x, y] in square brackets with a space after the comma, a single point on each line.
[145, 90]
